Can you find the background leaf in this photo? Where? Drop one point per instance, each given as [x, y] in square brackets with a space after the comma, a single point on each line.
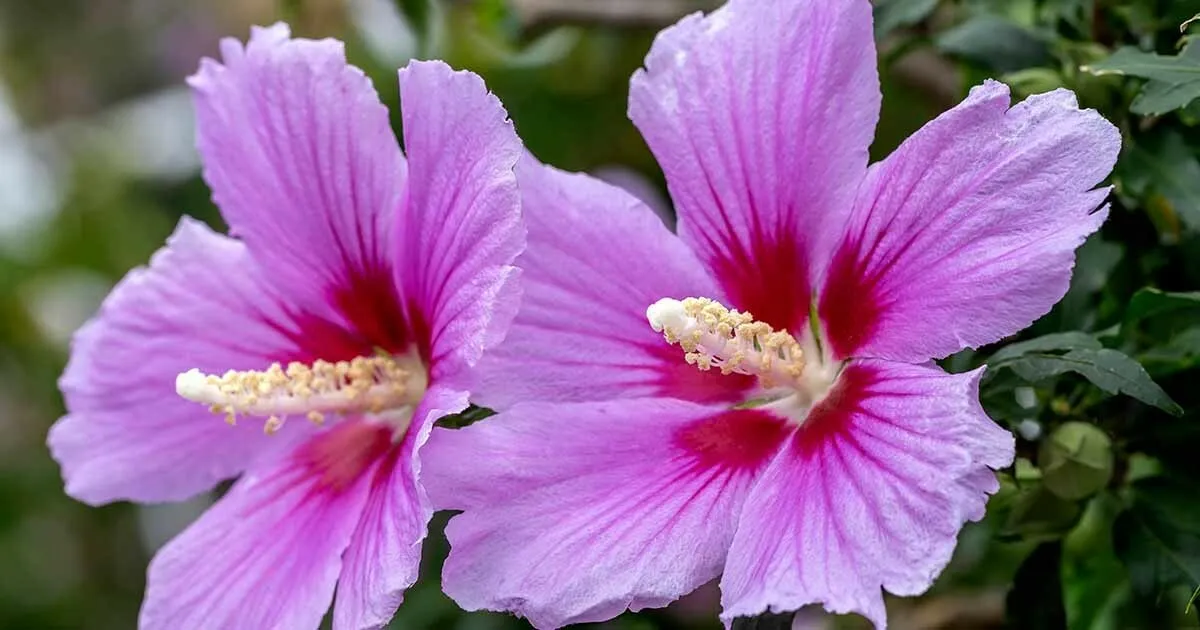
[1110, 370]
[1174, 80]
[1036, 599]
[1158, 537]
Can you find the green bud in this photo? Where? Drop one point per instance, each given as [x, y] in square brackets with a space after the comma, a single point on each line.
[1076, 460]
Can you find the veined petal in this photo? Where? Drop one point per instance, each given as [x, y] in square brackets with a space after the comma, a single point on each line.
[302, 161]
[460, 227]
[870, 494]
[575, 512]
[268, 554]
[127, 435]
[597, 258]
[967, 233]
[385, 552]
[761, 114]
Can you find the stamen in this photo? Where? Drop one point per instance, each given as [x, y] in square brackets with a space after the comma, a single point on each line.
[365, 384]
[713, 336]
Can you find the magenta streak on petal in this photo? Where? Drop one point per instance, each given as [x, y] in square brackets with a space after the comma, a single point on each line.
[675, 378]
[337, 457]
[770, 282]
[739, 440]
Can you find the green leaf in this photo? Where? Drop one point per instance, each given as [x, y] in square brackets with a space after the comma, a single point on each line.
[1073, 340]
[1110, 370]
[1037, 513]
[1035, 601]
[893, 14]
[1174, 81]
[1179, 353]
[1129, 61]
[1148, 302]
[1165, 166]
[1158, 537]
[995, 42]
[465, 418]
[1160, 97]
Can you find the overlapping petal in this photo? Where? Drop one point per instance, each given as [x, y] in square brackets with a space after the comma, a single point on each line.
[384, 555]
[870, 494]
[268, 554]
[564, 527]
[761, 114]
[201, 303]
[302, 161]
[597, 258]
[967, 233]
[460, 226]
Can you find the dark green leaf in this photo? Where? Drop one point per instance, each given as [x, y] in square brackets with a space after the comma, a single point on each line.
[1158, 537]
[1177, 354]
[1148, 302]
[893, 14]
[995, 42]
[1174, 81]
[1073, 340]
[1160, 97]
[1165, 165]
[1133, 62]
[467, 417]
[1110, 370]
[1035, 601]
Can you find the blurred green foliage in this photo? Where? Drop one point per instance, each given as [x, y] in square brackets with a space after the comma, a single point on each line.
[1097, 526]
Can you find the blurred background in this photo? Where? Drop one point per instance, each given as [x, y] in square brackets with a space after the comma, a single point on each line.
[1098, 526]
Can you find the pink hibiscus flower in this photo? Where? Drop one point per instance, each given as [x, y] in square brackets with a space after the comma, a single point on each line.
[361, 290]
[817, 455]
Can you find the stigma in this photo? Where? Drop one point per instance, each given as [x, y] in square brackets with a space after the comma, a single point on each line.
[713, 336]
[363, 385]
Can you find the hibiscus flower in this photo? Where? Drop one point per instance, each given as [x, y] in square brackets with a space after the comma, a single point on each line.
[779, 421]
[346, 313]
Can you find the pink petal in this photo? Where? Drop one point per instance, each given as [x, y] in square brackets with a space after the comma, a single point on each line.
[127, 435]
[870, 494]
[303, 163]
[460, 227]
[575, 512]
[761, 114]
[268, 554]
[597, 258]
[385, 552]
[967, 233]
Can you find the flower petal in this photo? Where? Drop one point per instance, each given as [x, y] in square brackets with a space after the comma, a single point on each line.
[967, 233]
[761, 114]
[460, 229]
[127, 434]
[385, 552]
[575, 512]
[303, 163]
[869, 494]
[268, 554]
[597, 258]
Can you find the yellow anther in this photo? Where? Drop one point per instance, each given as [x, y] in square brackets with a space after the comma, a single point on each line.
[364, 385]
[714, 336]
